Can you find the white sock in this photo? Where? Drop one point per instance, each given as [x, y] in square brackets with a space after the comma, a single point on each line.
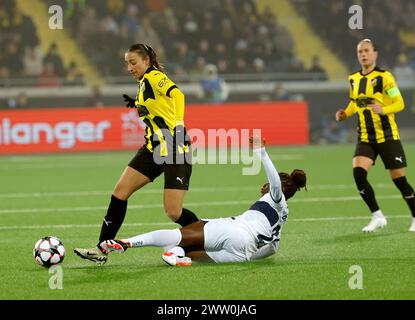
[178, 251]
[378, 214]
[161, 238]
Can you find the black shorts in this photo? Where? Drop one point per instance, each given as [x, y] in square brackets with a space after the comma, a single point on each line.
[391, 153]
[176, 176]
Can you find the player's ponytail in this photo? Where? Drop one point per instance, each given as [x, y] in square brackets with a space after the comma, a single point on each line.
[145, 50]
[299, 178]
[291, 183]
[153, 59]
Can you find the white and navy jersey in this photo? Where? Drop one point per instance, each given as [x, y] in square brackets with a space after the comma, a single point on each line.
[266, 217]
[255, 234]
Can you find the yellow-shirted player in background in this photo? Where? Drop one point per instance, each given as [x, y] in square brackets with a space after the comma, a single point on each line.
[375, 97]
[160, 104]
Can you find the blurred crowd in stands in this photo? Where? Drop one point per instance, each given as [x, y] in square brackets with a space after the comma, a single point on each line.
[22, 57]
[390, 24]
[186, 34]
[190, 36]
[230, 34]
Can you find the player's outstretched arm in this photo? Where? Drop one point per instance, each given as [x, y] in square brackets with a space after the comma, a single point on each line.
[266, 251]
[272, 174]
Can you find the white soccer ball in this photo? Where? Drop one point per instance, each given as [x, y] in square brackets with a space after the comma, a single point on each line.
[48, 251]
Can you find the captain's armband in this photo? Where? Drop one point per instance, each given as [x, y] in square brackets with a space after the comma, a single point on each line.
[393, 92]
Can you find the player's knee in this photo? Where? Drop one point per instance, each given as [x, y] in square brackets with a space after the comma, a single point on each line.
[173, 211]
[360, 177]
[122, 191]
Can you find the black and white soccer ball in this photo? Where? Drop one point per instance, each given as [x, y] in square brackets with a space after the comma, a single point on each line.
[48, 251]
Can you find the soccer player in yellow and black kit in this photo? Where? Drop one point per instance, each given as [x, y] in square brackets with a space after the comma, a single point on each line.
[160, 104]
[375, 97]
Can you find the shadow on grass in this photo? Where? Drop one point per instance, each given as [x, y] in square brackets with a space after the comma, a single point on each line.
[117, 272]
[357, 237]
[111, 273]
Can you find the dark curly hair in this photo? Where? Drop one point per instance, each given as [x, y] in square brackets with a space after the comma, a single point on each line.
[291, 183]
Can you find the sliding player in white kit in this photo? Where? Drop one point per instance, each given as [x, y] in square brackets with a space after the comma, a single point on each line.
[253, 235]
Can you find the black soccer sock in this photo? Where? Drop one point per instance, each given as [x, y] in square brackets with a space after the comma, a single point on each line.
[114, 218]
[407, 192]
[187, 217]
[365, 189]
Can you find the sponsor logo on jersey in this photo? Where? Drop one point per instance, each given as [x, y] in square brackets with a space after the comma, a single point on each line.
[163, 81]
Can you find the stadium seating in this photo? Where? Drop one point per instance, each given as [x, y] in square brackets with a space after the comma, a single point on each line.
[23, 62]
[18, 41]
[231, 34]
[390, 24]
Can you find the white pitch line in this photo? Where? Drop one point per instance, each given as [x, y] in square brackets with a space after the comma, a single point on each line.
[345, 198]
[140, 206]
[37, 158]
[205, 204]
[156, 191]
[347, 186]
[39, 164]
[66, 226]
[55, 166]
[366, 217]
[108, 192]
[146, 224]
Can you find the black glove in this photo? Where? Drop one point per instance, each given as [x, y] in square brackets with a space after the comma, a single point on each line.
[130, 101]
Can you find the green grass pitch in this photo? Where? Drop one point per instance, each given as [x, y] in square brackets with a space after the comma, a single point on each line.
[67, 196]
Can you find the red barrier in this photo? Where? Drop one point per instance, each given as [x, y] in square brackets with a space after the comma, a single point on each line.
[63, 130]
[281, 123]
[118, 128]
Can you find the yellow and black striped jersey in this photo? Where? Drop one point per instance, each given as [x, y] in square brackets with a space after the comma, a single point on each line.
[158, 109]
[378, 87]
